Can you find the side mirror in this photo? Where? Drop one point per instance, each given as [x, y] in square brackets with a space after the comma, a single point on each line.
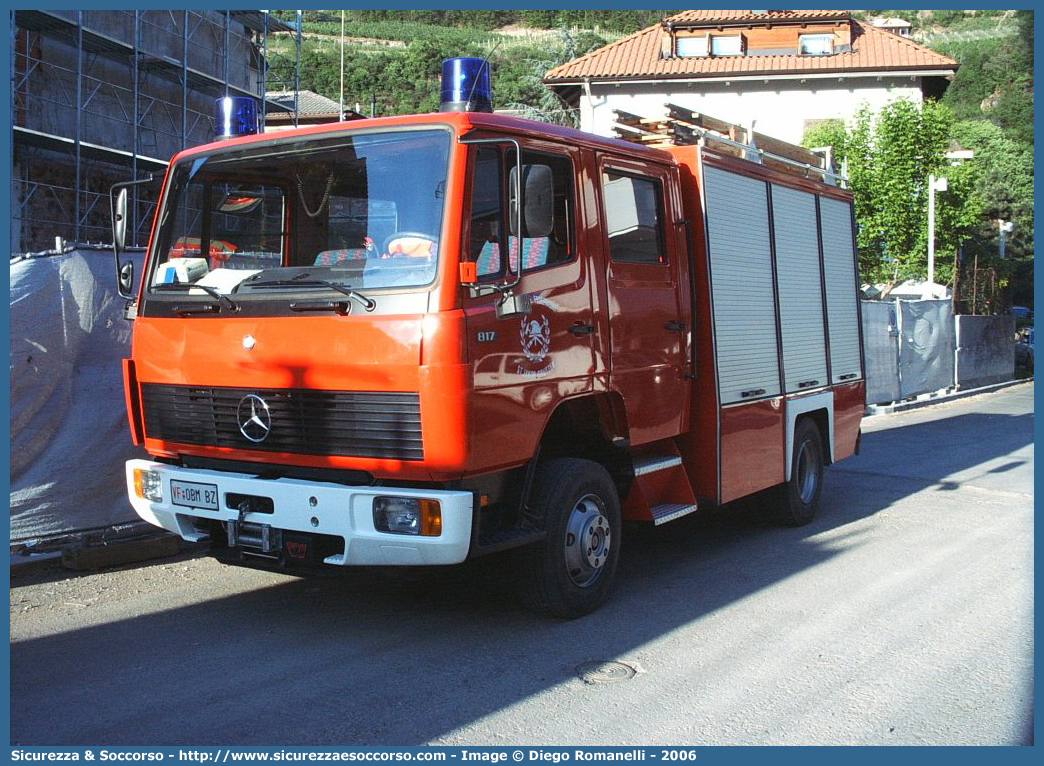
[538, 194]
[118, 209]
[119, 221]
[127, 278]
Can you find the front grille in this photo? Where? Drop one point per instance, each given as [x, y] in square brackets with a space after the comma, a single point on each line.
[349, 423]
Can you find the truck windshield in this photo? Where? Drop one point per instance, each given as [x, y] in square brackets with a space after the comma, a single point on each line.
[361, 211]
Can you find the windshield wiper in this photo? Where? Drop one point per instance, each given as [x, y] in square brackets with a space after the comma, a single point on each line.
[170, 287]
[367, 303]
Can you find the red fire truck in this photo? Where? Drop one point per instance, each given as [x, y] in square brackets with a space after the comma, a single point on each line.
[416, 340]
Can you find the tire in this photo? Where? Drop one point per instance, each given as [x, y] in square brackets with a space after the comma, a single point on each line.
[578, 503]
[798, 499]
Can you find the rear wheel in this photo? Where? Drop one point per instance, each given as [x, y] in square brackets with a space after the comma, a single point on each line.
[798, 499]
[569, 573]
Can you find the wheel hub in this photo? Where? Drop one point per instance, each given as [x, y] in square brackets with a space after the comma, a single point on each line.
[807, 474]
[588, 540]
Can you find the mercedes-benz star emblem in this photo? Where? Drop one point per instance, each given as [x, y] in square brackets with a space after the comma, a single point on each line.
[255, 421]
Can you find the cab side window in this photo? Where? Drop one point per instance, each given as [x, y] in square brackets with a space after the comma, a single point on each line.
[555, 243]
[494, 217]
[634, 218]
[487, 212]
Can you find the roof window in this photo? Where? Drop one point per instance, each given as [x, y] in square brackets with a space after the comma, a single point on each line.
[731, 45]
[816, 45]
[692, 47]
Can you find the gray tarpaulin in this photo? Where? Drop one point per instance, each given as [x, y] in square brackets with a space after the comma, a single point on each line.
[926, 348]
[881, 350]
[69, 435]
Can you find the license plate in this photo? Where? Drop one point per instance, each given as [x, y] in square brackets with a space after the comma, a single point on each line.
[194, 495]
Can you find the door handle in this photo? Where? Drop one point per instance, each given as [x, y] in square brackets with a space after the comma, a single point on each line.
[582, 328]
[676, 326]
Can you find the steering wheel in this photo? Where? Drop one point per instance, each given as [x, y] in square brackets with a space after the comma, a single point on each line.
[423, 247]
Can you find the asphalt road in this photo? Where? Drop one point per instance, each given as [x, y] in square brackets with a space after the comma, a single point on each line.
[902, 615]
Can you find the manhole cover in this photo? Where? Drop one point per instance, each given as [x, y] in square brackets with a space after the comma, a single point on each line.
[604, 672]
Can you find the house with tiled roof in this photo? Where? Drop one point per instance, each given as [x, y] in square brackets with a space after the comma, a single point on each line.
[307, 107]
[785, 71]
[894, 25]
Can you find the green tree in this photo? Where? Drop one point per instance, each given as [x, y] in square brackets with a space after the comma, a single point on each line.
[830, 133]
[891, 155]
[520, 78]
[1005, 183]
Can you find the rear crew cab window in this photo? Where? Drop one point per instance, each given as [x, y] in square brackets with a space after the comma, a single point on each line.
[634, 218]
[494, 223]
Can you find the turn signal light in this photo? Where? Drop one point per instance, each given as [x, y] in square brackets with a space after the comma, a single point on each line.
[468, 273]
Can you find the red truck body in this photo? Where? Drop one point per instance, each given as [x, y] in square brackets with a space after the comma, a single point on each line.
[608, 349]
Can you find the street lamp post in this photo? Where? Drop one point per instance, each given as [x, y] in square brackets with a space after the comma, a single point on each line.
[934, 185]
[1006, 228]
[940, 184]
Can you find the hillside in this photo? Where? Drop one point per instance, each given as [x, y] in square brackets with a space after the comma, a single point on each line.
[393, 59]
[995, 50]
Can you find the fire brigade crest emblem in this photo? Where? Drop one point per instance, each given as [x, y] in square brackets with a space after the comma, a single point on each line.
[535, 335]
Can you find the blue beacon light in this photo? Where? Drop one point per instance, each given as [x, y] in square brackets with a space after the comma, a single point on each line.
[235, 116]
[466, 85]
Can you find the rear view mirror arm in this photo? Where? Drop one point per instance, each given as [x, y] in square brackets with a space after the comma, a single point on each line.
[118, 238]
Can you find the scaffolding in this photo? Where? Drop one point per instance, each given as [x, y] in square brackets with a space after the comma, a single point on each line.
[104, 96]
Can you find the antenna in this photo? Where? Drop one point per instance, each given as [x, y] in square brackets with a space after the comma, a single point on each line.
[478, 74]
[340, 112]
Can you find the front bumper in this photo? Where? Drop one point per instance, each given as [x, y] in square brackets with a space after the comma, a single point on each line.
[312, 508]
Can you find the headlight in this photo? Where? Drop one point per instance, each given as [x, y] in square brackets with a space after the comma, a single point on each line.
[148, 485]
[407, 516]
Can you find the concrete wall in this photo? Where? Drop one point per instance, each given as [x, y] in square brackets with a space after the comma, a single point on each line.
[781, 108]
[985, 350]
[162, 36]
[45, 185]
[108, 87]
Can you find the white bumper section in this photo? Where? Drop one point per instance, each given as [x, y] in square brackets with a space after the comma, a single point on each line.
[340, 510]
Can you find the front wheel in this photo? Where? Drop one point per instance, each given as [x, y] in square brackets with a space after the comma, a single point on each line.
[569, 573]
[798, 499]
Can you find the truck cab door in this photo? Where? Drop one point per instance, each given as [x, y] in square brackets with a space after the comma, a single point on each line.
[648, 296]
[523, 365]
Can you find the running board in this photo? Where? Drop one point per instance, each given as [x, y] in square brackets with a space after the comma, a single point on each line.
[661, 490]
[655, 463]
[669, 512]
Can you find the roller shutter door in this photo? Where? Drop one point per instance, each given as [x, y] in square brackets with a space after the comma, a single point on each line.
[741, 286]
[800, 288]
[839, 268]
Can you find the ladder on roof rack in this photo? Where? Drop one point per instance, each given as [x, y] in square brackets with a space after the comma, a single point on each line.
[684, 127]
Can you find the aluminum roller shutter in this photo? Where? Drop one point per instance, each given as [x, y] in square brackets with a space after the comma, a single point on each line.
[800, 288]
[741, 286]
[839, 268]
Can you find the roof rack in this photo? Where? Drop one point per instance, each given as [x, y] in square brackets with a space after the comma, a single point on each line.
[684, 127]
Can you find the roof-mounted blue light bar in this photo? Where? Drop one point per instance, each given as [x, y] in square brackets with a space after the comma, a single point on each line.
[235, 116]
[466, 85]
